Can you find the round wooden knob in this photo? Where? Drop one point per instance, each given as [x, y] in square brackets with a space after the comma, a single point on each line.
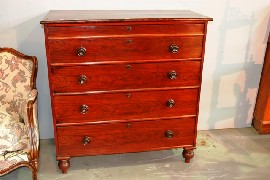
[82, 79]
[169, 134]
[174, 48]
[172, 75]
[81, 51]
[86, 140]
[170, 103]
[84, 109]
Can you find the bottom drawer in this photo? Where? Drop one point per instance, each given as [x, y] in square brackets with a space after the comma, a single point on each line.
[125, 137]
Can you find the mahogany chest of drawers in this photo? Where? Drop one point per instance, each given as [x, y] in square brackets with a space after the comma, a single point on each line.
[124, 81]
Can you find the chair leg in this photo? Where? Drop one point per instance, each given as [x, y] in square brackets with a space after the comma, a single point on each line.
[34, 170]
[34, 174]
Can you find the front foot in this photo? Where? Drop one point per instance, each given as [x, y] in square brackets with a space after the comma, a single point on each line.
[188, 154]
[63, 165]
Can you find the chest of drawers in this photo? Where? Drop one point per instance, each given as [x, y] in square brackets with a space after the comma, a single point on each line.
[124, 81]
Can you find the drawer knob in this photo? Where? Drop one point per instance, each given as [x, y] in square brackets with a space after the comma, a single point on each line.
[172, 75]
[81, 51]
[82, 79]
[169, 134]
[86, 140]
[84, 109]
[170, 103]
[174, 48]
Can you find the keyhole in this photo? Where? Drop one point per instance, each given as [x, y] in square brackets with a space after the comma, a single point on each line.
[129, 28]
[128, 66]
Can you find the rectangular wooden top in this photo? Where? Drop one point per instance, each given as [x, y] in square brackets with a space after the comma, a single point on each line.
[84, 16]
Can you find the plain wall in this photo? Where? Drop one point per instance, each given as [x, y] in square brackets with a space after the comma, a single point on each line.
[235, 47]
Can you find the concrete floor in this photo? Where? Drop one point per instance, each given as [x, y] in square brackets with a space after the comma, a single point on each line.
[220, 154]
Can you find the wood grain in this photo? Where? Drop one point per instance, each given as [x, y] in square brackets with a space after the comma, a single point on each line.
[183, 29]
[125, 76]
[86, 16]
[125, 48]
[125, 137]
[115, 106]
[125, 89]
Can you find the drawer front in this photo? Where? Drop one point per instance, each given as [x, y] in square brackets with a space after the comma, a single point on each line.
[125, 49]
[123, 106]
[125, 137]
[128, 29]
[125, 76]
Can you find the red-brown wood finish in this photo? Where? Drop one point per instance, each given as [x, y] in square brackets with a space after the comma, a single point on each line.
[261, 116]
[186, 29]
[70, 17]
[125, 48]
[125, 137]
[124, 81]
[128, 75]
[125, 105]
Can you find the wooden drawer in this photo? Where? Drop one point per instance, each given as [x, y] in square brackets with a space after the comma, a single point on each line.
[128, 29]
[125, 48]
[125, 76]
[96, 107]
[125, 137]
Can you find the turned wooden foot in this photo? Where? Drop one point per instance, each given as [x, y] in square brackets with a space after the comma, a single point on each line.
[188, 154]
[63, 165]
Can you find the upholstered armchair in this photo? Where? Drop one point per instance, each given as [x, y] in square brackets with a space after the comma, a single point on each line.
[19, 137]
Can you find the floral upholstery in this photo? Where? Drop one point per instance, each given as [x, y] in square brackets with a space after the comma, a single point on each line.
[19, 136]
[14, 141]
[15, 84]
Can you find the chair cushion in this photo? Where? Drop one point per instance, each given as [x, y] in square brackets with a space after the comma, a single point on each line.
[12, 158]
[13, 134]
[14, 141]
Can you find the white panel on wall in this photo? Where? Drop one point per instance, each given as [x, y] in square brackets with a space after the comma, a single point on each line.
[235, 48]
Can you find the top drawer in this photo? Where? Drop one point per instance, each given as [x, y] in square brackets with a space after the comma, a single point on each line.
[128, 29]
[127, 48]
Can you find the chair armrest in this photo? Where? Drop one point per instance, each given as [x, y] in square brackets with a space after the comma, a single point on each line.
[28, 115]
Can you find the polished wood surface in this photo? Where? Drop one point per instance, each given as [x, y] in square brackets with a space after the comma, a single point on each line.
[109, 29]
[125, 137]
[261, 120]
[124, 81]
[135, 48]
[84, 16]
[125, 76]
[127, 105]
